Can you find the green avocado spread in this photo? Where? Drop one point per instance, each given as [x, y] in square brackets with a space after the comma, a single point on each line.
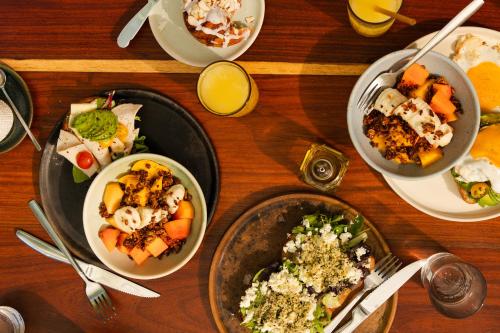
[96, 125]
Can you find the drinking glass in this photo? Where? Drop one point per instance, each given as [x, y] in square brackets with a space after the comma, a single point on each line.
[11, 320]
[226, 89]
[366, 21]
[457, 289]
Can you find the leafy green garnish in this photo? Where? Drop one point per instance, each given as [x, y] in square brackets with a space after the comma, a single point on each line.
[357, 225]
[137, 118]
[290, 266]
[139, 145]
[363, 236]
[298, 230]
[258, 274]
[78, 175]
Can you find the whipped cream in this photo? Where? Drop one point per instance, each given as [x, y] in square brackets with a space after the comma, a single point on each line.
[214, 18]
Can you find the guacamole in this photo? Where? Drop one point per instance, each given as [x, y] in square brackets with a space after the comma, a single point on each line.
[96, 125]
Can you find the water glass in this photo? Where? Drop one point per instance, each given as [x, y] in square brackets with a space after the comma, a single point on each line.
[10, 320]
[457, 289]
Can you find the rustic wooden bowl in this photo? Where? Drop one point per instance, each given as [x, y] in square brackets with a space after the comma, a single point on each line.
[255, 241]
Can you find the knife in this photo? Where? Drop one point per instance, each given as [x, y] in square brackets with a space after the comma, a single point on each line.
[134, 25]
[94, 273]
[380, 295]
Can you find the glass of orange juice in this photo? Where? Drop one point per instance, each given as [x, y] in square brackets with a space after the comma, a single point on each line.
[226, 89]
[369, 22]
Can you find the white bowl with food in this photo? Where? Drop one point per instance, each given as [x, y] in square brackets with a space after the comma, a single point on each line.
[144, 216]
[199, 32]
[420, 127]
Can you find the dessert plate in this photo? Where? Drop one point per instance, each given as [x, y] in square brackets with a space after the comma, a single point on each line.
[167, 23]
[170, 131]
[438, 196]
[238, 256]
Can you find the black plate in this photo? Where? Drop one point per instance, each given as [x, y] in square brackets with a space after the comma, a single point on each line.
[19, 93]
[170, 131]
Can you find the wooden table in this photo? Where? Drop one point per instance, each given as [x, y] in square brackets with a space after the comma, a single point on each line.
[259, 154]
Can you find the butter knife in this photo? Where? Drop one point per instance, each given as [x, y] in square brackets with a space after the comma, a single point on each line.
[134, 25]
[94, 273]
[380, 295]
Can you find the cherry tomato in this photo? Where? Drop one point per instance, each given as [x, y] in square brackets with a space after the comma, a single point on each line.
[84, 159]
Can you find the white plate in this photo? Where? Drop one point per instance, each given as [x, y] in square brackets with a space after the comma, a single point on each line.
[438, 196]
[167, 23]
[119, 262]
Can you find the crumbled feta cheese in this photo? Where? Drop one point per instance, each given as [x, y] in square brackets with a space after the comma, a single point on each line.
[283, 282]
[360, 251]
[290, 247]
[329, 237]
[250, 295]
[325, 229]
[305, 223]
[345, 236]
[354, 275]
[309, 233]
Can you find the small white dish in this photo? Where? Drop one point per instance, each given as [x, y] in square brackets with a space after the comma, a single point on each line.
[167, 23]
[152, 268]
[444, 201]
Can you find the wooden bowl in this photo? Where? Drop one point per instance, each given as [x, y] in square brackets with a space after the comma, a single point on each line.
[255, 240]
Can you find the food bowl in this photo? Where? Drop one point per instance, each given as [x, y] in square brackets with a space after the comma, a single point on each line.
[119, 262]
[464, 129]
[167, 24]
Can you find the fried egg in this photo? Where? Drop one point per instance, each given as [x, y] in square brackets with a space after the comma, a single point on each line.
[483, 163]
[481, 62]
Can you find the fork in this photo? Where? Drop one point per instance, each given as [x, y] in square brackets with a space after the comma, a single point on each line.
[383, 270]
[96, 294]
[388, 78]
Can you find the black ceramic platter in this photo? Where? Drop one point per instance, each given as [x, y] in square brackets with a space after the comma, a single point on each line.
[170, 131]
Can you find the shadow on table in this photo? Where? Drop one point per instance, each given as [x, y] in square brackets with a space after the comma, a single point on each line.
[38, 315]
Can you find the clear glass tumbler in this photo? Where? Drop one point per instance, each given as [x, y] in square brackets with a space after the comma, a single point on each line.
[11, 320]
[457, 289]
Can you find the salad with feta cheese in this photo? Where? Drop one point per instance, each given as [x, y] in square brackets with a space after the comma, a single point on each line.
[324, 258]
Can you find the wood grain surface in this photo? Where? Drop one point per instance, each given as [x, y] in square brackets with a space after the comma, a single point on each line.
[259, 156]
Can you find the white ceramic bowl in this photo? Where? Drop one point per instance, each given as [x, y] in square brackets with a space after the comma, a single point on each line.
[119, 262]
[167, 23]
[465, 128]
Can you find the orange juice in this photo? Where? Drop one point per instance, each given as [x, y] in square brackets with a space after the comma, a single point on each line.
[226, 89]
[366, 20]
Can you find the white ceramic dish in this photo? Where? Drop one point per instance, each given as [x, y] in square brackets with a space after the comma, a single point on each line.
[464, 129]
[444, 201]
[119, 262]
[167, 23]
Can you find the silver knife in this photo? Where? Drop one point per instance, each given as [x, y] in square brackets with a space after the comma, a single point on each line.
[94, 273]
[380, 295]
[134, 25]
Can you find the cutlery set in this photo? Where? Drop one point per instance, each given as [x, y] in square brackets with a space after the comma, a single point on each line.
[92, 275]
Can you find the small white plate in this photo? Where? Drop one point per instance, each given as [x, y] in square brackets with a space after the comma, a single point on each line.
[167, 23]
[119, 262]
[438, 196]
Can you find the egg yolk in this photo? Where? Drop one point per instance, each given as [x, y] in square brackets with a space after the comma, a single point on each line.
[486, 80]
[486, 144]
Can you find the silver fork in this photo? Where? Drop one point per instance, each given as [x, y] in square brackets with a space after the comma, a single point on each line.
[383, 270]
[96, 294]
[388, 78]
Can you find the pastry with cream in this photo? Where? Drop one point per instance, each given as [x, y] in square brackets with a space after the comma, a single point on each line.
[211, 22]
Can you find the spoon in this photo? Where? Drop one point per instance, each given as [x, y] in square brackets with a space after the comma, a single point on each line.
[3, 79]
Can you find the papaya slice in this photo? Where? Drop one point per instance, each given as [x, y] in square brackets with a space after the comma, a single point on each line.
[109, 237]
[139, 255]
[444, 89]
[113, 195]
[156, 247]
[119, 244]
[415, 75]
[178, 229]
[441, 104]
[185, 210]
[429, 157]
